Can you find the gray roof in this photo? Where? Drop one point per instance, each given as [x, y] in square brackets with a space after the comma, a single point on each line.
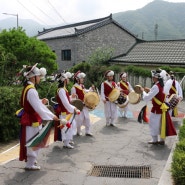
[77, 28]
[171, 52]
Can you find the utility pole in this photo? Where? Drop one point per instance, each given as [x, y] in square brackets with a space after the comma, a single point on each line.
[13, 15]
[143, 35]
[156, 31]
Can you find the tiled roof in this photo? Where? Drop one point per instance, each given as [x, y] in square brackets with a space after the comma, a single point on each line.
[170, 52]
[77, 28]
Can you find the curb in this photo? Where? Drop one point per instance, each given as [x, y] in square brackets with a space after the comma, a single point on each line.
[166, 177]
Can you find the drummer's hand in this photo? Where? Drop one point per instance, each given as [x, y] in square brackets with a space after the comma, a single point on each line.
[77, 111]
[55, 118]
[73, 96]
[142, 89]
[180, 98]
[146, 89]
[44, 101]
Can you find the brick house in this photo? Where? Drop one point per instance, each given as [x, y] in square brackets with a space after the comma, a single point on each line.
[74, 43]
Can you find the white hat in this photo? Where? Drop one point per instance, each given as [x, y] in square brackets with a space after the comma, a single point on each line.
[164, 75]
[79, 74]
[61, 76]
[109, 73]
[123, 75]
[155, 74]
[35, 71]
[69, 75]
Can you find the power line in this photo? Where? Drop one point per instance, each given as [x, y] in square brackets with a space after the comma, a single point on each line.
[60, 16]
[57, 12]
[32, 13]
[44, 12]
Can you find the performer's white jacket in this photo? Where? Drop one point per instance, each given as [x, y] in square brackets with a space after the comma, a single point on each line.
[70, 108]
[44, 113]
[155, 119]
[168, 86]
[83, 118]
[126, 108]
[110, 108]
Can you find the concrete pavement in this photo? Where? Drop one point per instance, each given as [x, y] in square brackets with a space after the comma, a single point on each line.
[123, 145]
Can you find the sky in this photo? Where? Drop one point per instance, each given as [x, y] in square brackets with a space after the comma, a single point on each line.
[55, 12]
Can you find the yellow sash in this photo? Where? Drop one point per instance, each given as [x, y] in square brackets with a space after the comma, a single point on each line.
[79, 87]
[124, 84]
[34, 124]
[62, 113]
[164, 108]
[26, 89]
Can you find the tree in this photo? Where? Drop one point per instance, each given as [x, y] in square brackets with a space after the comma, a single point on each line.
[18, 49]
[100, 56]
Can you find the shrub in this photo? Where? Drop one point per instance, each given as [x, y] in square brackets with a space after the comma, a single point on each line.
[178, 167]
[9, 103]
[182, 131]
[178, 160]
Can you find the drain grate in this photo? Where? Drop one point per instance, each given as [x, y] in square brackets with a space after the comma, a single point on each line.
[121, 171]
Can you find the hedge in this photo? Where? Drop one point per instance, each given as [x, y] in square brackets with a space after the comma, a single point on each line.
[10, 102]
[178, 159]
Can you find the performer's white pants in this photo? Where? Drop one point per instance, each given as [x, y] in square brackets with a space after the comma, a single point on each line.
[155, 126]
[110, 111]
[83, 119]
[31, 154]
[66, 137]
[124, 110]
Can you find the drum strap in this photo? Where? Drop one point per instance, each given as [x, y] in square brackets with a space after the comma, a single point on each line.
[175, 111]
[78, 87]
[124, 84]
[174, 89]
[164, 108]
[110, 84]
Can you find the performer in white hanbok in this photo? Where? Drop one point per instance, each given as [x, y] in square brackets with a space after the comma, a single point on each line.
[78, 91]
[125, 88]
[160, 121]
[172, 86]
[34, 112]
[110, 108]
[66, 110]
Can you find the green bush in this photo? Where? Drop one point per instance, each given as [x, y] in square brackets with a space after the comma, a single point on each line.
[47, 89]
[9, 103]
[178, 167]
[178, 159]
[182, 131]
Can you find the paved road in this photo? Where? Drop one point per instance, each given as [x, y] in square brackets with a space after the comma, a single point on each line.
[123, 145]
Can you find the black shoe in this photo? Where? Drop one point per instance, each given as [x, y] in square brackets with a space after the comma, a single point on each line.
[79, 134]
[153, 142]
[161, 142]
[89, 134]
[112, 124]
[68, 146]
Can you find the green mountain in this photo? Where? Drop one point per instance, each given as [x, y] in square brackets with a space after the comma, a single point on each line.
[31, 27]
[158, 20]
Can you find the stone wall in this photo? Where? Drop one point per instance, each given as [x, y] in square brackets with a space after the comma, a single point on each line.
[82, 46]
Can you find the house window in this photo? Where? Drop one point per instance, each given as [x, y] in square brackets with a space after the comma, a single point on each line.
[66, 54]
